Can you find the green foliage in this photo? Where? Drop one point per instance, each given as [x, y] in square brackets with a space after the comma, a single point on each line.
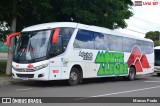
[3, 32]
[154, 35]
[105, 13]
[156, 43]
[3, 66]
[28, 12]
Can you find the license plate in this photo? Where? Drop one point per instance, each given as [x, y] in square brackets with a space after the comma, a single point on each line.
[24, 78]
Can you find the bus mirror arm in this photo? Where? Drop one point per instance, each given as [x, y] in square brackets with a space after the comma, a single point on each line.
[10, 36]
[55, 36]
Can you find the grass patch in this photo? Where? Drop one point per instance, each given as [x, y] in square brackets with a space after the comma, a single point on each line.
[3, 65]
[3, 74]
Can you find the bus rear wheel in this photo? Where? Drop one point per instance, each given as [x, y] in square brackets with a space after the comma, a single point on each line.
[74, 77]
[158, 74]
[131, 75]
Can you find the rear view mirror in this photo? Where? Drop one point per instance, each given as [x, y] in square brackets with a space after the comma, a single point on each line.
[55, 36]
[10, 36]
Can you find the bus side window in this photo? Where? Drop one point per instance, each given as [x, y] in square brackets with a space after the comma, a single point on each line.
[56, 49]
[84, 39]
[127, 44]
[115, 43]
[101, 41]
[63, 40]
[148, 47]
[66, 34]
[139, 43]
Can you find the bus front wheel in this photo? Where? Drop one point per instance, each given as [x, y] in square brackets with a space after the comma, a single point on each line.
[131, 75]
[74, 77]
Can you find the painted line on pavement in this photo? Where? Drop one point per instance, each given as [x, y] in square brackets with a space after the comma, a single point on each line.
[23, 89]
[116, 93]
[151, 81]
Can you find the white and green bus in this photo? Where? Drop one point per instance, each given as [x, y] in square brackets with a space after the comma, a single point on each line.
[73, 51]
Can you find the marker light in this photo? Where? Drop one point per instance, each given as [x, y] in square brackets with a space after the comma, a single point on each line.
[55, 71]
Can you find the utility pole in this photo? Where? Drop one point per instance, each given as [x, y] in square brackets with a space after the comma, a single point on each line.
[10, 50]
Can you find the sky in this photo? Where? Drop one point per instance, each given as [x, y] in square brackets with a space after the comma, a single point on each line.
[146, 18]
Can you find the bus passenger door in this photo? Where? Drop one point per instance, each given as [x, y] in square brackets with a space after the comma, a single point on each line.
[55, 69]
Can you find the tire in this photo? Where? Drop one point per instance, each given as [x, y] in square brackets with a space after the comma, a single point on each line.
[131, 75]
[158, 74]
[74, 77]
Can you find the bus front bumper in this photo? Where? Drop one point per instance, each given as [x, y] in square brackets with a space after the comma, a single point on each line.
[36, 75]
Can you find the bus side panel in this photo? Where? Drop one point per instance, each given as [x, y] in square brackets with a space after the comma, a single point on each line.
[143, 62]
[55, 70]
[150, 69]
[77, 57]
[98, 63]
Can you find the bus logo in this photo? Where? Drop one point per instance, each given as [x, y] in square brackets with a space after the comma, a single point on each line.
[86, 55]
[138, 3]
[111, 63]
[6, 100]
[139, 59]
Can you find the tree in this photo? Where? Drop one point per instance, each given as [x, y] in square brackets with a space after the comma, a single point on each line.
[3, 31]
[105, 13]
[16, 9]
[28, 12]
[155, 36]
[22, 13]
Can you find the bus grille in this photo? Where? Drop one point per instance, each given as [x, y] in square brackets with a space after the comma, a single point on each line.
[26, 75]
[24, 70]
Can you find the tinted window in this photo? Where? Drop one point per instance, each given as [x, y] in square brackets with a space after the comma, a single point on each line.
[127, 44]
[115, 43]
[147, 47]
[157, 57]
[84, 39]
[101, 41]
[66, 34]
[139, 43]
[63, 39]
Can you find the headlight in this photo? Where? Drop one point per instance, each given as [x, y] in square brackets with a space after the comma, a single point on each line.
[14, 67]
[41, 66]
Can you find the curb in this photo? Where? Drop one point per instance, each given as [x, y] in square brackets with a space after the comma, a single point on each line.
[6, 81]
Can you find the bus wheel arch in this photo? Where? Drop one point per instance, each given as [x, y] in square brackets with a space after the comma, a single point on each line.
[76, 71]
[132, 73]
[134, 68]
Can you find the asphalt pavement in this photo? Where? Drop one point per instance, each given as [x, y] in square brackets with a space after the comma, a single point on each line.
[142, 86]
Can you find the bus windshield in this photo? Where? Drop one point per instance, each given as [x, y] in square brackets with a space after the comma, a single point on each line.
[31, 46]
[157, 57]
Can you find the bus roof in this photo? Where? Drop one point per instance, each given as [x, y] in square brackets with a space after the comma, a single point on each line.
[80, 26]
[50, 26]
[157, 47]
